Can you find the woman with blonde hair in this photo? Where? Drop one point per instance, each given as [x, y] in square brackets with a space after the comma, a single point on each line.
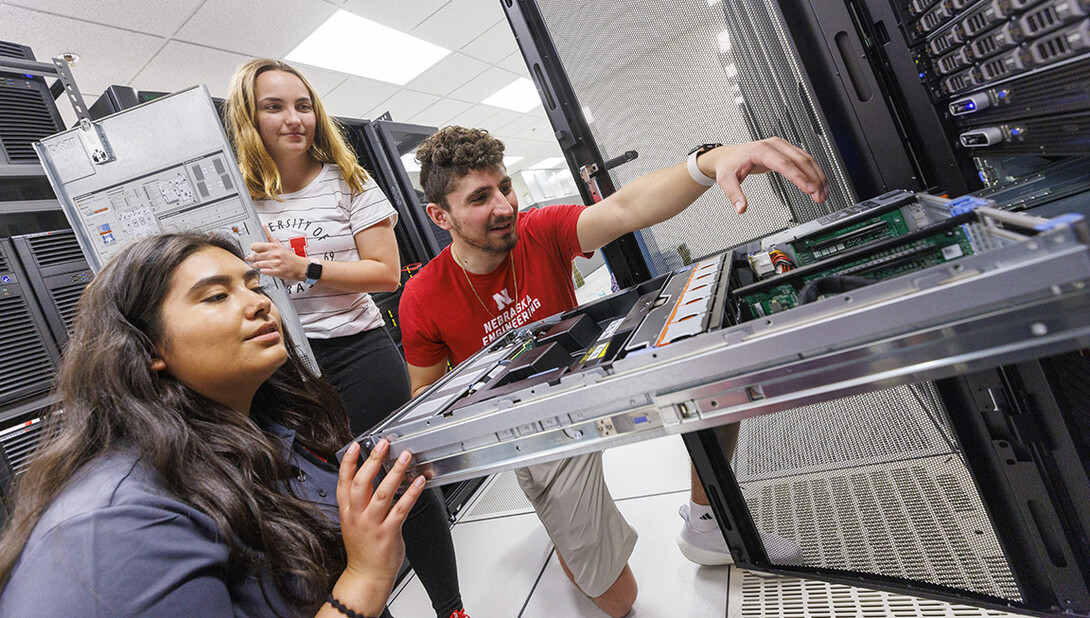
[331, 240]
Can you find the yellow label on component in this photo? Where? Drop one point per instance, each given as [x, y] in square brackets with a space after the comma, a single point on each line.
[596, 353]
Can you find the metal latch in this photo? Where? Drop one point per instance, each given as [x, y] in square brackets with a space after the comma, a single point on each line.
[95, 141]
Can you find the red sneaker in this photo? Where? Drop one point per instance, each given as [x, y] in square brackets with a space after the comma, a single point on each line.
[461, 613]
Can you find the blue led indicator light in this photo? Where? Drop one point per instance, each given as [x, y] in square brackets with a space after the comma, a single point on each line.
[28, 75]
[1002, 94]
[6, 279]
[970, 105]
[1016, 132]
[922, 75]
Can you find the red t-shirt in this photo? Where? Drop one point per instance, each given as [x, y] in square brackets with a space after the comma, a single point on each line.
[442, 317]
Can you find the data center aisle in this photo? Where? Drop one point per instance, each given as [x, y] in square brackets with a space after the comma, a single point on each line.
[508, 569]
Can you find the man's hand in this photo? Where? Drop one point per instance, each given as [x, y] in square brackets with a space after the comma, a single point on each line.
[730, 165]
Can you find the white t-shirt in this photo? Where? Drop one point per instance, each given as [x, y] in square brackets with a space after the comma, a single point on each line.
[320, 221]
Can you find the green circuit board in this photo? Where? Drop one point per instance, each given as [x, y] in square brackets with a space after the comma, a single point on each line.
[911, 257]
[820, 246]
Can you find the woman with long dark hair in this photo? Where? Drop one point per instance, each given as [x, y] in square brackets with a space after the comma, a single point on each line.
[332, 240]
[192, 469]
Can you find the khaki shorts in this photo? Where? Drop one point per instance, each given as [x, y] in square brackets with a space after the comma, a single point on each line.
[572, 501]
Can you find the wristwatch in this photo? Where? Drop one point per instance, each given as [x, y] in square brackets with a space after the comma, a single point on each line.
[694, 170]
[314, 272]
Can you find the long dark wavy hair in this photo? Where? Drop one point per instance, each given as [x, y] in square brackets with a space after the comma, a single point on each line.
[204, 453]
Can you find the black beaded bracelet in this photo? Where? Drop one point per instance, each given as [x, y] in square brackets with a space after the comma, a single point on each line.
[337, 605]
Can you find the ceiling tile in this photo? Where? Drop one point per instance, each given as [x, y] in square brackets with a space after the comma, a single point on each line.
[540, 129]
[515, 147]
[448, 74]
[357, 96]
[501, 118]
[395, 13]
[270, 32]
[158, 18]
[459, 22]
[403, 105]
[494, 44]
[515, 63]
[439, 114]
[107, 55]
[180, 65]
[474, 116]
[518, 126]
[484, 85]
[321, 80]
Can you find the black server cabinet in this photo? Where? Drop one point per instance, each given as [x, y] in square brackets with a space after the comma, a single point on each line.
[28, 353]
[27, 114]
[58, 273]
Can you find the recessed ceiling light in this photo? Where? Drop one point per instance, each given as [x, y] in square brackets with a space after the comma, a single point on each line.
[352, 44]
[520, 96]
[409, 161]
[509, 161]
[548, 164]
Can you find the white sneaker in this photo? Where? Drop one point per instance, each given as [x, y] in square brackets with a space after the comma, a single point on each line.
[701, 542]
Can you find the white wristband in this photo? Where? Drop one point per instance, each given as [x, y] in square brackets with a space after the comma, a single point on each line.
[697, 175]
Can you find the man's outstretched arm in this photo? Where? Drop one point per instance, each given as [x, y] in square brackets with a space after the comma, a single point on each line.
[660, 195]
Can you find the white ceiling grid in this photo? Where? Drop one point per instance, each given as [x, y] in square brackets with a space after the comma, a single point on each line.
[166, 46]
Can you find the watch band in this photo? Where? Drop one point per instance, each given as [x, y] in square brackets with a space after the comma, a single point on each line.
[694, 170]
[314, 272]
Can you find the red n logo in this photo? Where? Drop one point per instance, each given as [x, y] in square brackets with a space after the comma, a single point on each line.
[299, 245]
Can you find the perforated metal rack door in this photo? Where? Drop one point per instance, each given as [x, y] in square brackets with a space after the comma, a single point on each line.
[660, 78]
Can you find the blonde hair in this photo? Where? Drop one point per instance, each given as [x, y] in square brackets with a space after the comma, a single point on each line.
[258, 168]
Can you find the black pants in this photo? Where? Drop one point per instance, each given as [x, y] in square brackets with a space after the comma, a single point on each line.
[373, 381]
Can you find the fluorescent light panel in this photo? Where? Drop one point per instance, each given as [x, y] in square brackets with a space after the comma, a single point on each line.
[548, 164]
[352, 44]
[520, 96]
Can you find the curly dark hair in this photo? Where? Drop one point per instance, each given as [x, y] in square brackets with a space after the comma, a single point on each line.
[450, 154]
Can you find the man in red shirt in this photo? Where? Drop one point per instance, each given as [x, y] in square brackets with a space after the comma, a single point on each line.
[504, 269]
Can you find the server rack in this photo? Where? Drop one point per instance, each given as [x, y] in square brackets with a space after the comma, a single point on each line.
[29, 355]
[871, 83]
[27, 114]
[58, 273]
[30, 346]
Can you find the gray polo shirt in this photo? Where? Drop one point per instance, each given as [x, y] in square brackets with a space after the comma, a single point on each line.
[114, 543]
